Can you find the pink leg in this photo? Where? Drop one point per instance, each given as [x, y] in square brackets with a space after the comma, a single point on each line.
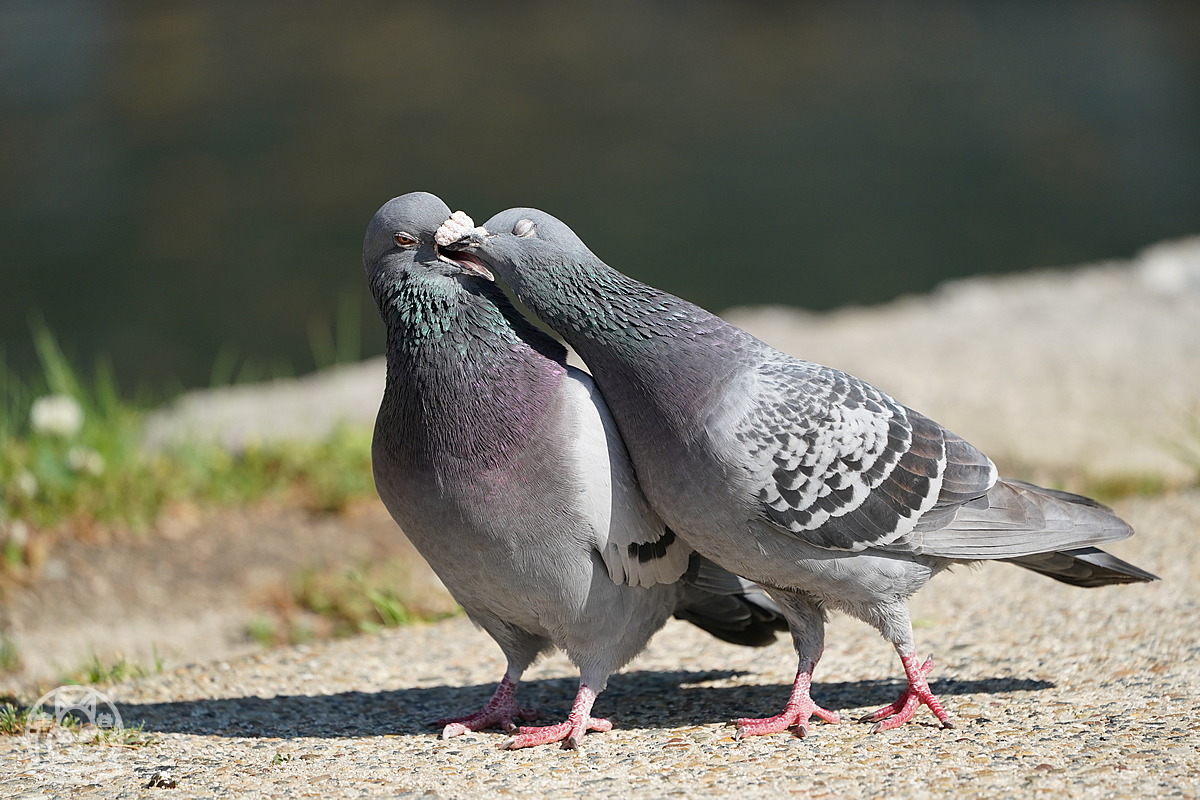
[797, 712]
[500, 709]
[570, 733]
[918, 692]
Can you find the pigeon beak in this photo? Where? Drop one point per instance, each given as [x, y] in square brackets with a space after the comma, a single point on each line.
[457, 235]
[467, 262]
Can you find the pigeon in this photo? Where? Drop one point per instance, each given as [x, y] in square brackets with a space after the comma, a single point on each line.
[804, 479]
[504, 468]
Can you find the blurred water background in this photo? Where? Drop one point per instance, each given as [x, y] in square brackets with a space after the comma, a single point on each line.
[184, 185]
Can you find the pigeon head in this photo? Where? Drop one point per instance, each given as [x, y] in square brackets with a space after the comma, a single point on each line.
[524, 245]
[424, 290]
[401, 237]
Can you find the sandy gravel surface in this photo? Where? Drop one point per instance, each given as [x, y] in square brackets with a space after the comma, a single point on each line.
[306, 408]
[191, 591]
[1058, 691]
[1071, 692]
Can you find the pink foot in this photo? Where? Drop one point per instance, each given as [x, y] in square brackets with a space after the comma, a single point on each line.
[570, 733]
[918, 692]
[799, 709]
[499, 710]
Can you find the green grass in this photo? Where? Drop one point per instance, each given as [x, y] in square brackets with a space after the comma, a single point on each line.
[133, 738]
[99, 475]
[1111, 488]
[15, 719]
[1108, 488]
[323, 603]
[95, 671]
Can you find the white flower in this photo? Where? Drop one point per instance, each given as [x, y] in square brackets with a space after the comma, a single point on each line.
[26, 483]
[85, 459]
[18, 533]
[57, 415]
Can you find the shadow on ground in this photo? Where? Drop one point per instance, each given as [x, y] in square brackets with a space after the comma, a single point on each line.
[634, 699]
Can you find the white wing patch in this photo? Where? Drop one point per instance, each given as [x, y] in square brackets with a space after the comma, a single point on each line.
[636, 545]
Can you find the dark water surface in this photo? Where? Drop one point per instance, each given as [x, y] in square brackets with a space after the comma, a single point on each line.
[184, 186]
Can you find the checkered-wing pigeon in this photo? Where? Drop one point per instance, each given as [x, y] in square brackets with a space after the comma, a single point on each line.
[812, 483]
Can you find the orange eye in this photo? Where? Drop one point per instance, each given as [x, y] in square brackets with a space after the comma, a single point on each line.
[404, 240]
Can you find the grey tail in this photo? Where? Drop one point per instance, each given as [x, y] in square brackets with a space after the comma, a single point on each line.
[1017, 519]
[1084, 566]
[732, 609]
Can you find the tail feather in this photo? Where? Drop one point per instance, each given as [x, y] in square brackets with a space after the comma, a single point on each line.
[732, 619]
[1085, 566]
[1016, 519]
[731, 608]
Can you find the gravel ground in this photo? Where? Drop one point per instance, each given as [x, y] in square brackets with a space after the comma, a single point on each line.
[1078, 693]
[191, 592]
[1063, 691]
[310, 407]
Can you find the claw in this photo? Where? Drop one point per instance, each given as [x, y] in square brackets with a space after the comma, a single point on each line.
[570, 732]
[918, 693]
[500, 710]
[796, 714]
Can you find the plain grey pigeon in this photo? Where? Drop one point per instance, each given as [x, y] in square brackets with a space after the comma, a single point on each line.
[504, 468]
[806, 480]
